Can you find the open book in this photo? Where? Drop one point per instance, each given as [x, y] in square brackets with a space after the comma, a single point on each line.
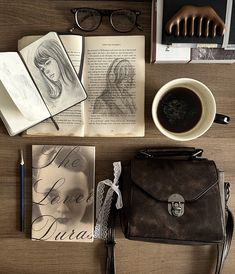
[37, 83]
[113, 74]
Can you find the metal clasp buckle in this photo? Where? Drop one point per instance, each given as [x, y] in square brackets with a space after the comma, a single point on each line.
[176, 205]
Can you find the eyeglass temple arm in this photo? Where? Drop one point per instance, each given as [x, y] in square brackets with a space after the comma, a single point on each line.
[73, 10]
[72, 29]
[138, 26]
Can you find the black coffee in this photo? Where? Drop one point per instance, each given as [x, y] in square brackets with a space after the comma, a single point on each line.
[179, 110]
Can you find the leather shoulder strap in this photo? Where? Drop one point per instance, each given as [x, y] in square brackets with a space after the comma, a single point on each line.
[110, 241]
[223, 249]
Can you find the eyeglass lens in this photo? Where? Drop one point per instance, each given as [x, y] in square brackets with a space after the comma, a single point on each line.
[88, 19]
[121, 20]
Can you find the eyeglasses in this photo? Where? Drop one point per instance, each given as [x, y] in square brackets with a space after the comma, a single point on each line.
[121, 20]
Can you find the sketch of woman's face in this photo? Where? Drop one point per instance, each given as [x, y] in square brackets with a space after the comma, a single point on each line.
[126, 83]
[67, 195]
[51, 69]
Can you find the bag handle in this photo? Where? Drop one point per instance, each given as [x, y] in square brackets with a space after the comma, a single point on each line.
[223, 249]
[189, 152]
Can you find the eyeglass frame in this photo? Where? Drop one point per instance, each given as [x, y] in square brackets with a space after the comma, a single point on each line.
[106, 12]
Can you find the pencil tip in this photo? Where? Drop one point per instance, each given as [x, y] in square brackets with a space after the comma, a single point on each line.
[22, 157]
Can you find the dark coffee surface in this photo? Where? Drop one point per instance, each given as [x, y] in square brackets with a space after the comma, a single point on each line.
[179, 110]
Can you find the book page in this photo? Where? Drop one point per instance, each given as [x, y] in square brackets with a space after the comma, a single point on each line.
[21, 104]
[114, 78]
[53, 73]
[70, 121]
[63, 180]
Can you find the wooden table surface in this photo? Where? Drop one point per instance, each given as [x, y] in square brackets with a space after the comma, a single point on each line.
[18, 254]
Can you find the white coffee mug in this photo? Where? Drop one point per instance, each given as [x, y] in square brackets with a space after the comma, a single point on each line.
[208, 115]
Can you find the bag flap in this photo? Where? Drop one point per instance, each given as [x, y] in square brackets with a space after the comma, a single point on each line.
[161, 178]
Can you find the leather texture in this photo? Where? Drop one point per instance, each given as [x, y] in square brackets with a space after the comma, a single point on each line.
[147, 185]
[158, 173]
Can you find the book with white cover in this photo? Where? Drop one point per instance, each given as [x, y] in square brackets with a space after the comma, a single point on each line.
[164, 53]
[62, 193]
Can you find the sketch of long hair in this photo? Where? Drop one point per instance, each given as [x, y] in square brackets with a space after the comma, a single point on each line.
[119, 70]
[119, 80]
[51, 49]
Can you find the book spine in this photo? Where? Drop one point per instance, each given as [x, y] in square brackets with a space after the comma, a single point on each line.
[153, 32]
[227, 23]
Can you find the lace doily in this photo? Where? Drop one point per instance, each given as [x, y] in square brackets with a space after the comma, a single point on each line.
[103, 202]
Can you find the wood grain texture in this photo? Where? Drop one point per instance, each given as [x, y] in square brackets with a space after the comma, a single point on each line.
[18, 254]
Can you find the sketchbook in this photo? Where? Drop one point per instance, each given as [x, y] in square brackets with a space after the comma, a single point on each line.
[62, 193]
[36, 83]
[112, 70]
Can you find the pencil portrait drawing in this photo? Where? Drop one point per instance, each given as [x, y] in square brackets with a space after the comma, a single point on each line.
[54, 68]
[116, 99]
[53, 73]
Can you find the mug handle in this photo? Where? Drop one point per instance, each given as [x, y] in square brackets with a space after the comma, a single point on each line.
[221, 119]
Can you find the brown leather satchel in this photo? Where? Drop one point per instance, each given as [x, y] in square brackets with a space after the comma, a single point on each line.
[176, 196]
